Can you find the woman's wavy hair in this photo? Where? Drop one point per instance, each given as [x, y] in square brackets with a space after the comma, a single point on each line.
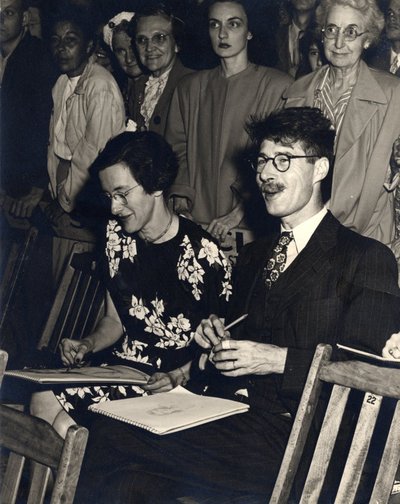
[148, 156]
[374, 18]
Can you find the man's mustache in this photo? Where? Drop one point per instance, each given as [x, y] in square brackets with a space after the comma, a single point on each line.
[272, 187]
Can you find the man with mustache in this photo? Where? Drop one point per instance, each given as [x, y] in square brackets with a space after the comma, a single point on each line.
[317, 282]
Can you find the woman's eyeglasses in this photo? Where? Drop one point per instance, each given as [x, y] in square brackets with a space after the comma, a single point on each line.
[119, 196]
[158, 39]
[350, 32]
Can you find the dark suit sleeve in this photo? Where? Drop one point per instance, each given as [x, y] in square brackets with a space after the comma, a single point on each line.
[371, 313]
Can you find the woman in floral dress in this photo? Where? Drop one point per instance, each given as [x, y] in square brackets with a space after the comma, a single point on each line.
[163, 274]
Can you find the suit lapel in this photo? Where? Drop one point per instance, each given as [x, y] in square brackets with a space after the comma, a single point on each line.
[309, 265]
[366, 98]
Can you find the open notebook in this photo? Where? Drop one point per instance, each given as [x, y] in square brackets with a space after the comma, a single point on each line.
[389, 360]
[86, 374]
[169, 412]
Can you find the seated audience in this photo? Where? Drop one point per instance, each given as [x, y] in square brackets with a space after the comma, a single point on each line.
[88, 110]
[206, 123]
[363, 106]
[288, 36]
[158, 35]
[386, 56]
[116, 36]
[163, 275]
[316, 282]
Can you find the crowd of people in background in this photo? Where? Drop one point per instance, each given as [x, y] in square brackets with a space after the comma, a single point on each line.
[170, 107]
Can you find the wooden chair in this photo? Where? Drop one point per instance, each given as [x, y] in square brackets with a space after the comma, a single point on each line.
[78, 303]
[30, 438]
[15, 261]
[377, 383]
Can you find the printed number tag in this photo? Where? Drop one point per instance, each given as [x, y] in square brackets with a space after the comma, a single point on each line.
[371, 399]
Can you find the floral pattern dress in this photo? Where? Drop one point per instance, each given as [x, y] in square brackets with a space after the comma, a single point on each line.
[161, 293]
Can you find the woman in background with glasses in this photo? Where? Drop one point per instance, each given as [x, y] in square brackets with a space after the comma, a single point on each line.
[363, 105]
[157, 34]
[163, 275]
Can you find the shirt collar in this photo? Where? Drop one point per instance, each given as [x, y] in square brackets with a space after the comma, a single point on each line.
[303, 232]
[393, 55]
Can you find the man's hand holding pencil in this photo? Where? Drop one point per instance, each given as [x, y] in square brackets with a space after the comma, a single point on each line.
[237, 357]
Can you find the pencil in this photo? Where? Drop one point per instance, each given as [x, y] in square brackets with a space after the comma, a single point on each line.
[234, 322]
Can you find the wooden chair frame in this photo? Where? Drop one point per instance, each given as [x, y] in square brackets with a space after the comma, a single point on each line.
[376, 382]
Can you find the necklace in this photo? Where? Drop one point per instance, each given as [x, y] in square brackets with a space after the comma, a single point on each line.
[165, 231]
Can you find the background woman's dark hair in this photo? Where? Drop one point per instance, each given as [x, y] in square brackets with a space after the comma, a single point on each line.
[162, 9]
[75, 14]
[248, 7]
[148, 156]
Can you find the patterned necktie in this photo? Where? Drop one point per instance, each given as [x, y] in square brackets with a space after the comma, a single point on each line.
[276, 263]
[395, 64]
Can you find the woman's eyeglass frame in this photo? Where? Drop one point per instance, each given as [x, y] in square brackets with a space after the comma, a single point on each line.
[158, 39]
[348, 35]
[118, 196]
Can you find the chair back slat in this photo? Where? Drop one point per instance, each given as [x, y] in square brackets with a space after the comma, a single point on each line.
[325, 444]
[300, 428]
[12, 478]
[78, 304]
[359, 449]
[345, 423]
[40, 477]
[389, 462]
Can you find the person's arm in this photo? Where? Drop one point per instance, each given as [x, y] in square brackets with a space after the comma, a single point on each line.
[107, 332]
[105, 118]
[176, 135]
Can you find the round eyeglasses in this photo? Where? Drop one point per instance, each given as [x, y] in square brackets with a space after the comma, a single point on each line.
[350, 32]
[158, 39]
[118, 196]
[281, 162]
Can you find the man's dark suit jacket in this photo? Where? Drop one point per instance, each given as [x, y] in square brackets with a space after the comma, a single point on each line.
[26, 104]
[379, 57]
[282, 44]
[342, 287]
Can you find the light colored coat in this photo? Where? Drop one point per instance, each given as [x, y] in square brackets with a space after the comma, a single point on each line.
[370, 126]
[95, 114]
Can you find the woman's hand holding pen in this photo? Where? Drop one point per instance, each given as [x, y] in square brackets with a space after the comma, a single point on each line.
[73, 352]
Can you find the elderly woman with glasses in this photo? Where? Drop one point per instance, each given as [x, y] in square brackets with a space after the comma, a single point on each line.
[163, 275]
[158, 34]
[363, 105]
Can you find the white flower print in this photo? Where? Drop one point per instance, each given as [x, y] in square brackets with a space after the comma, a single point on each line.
[226, 290]
[113, 239]
[64, 403]
[132, 351]
[113, 266]
[103, 395]
[158, 306]
[129, 250]
[209, 251]
[79, 391]
[179, 323]
[138, 309]
[154, 325]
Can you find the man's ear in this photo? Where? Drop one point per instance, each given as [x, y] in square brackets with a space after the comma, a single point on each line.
[321, 169]
[249, 36]
[157, 194]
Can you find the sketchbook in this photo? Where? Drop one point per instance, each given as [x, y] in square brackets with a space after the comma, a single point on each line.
[369, 355]
[169, 412]
[95, 375]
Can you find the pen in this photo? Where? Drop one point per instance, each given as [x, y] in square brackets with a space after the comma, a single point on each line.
[236, 321]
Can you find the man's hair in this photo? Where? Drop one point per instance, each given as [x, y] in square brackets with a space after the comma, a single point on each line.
[164, 10]
[148, 156]
[306, 125]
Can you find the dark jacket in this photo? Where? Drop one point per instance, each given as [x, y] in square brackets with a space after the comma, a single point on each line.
[25, 114]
